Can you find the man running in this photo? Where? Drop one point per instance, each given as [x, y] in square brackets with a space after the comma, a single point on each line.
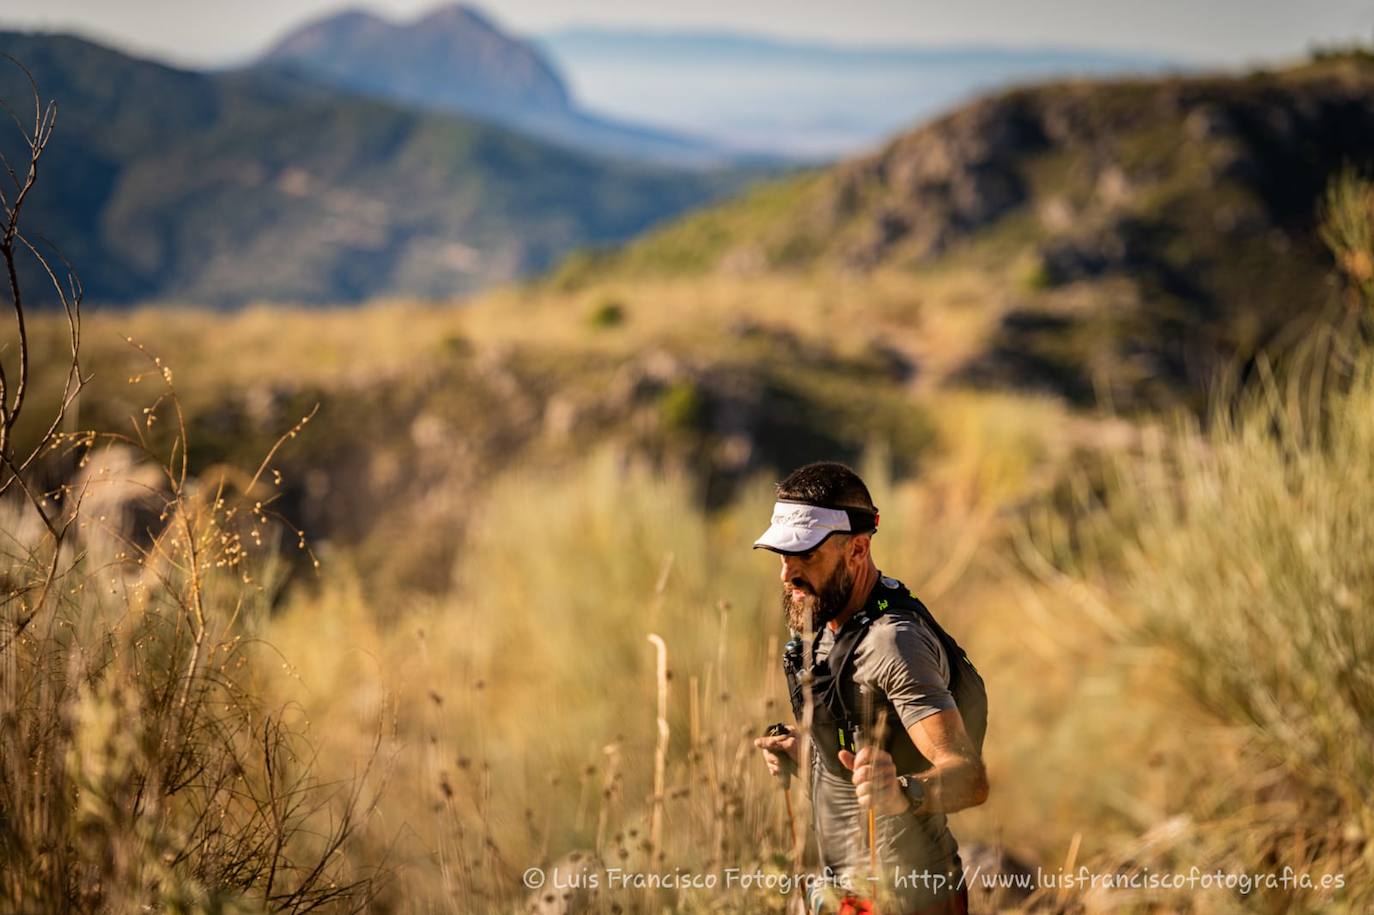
[867, 657]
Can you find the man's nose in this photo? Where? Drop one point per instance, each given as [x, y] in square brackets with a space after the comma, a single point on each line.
[790, 567]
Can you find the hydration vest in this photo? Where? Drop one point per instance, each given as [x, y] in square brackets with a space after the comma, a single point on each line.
[836, 726]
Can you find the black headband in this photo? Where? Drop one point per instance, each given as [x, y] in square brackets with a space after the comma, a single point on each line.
[861, 520]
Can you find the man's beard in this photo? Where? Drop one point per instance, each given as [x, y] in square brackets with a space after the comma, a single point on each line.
[810, 612]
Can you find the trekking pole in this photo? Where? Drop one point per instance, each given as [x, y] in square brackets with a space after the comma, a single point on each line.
[785, 767]
[879, 734]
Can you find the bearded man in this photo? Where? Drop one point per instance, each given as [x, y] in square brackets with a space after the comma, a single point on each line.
[883, 692]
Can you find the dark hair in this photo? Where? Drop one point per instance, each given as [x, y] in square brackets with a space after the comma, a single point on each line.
[827, 483]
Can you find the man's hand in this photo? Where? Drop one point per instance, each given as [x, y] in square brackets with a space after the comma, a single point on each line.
[777, 747]
[875, 781]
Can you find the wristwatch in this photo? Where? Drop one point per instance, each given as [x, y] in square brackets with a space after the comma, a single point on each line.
[914, 789]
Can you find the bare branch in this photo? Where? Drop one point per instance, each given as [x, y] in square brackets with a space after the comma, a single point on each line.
[44, 121]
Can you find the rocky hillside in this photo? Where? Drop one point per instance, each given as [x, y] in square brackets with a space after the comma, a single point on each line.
[227, 188]
[456, 59]
[1151, 230]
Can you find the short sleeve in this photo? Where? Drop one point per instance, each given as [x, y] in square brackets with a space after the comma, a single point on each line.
[907, 663]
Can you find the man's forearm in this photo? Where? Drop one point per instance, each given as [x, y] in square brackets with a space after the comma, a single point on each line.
[953, 785]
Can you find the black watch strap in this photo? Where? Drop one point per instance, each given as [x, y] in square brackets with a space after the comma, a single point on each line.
[914, 789]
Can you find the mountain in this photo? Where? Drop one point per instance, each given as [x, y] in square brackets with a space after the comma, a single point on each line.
[456, 59]
[1122, 239]
[800, 99]
[226, 188]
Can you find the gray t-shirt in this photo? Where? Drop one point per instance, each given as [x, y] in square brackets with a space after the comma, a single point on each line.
[899, 662]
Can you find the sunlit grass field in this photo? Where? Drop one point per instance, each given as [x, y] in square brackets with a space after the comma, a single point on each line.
[1173, 617]
[1133, 724]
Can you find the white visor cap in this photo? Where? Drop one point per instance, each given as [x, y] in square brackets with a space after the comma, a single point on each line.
[798, 527]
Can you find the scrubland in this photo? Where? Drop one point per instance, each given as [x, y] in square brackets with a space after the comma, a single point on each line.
[208, 706]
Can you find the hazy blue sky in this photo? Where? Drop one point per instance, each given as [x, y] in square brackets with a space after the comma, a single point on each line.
[1224, 31]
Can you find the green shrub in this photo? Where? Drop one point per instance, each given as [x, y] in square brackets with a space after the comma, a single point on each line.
[681, 406]
[1033, 273]
[457, 345]
[608, 313]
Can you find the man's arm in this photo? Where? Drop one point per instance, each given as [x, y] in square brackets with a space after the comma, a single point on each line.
[955, 780]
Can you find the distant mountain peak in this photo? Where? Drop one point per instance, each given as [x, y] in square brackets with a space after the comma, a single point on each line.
[356, 16]
[456, 58]
[453, 58]
[174, 180]
[321, 32]
[459, 14]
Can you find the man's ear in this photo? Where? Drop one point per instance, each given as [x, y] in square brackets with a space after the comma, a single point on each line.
[859, 546]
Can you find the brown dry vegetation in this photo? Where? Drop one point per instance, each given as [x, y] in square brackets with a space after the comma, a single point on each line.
[517, 700]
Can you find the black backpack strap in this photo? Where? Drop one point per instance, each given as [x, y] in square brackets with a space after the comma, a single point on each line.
[841, 652]
[954, 652]
[827, 687]
[829, 684]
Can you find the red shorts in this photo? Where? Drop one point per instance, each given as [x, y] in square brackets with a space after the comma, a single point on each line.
[955, 903]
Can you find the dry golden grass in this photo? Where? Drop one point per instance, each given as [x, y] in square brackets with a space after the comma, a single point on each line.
[937, 319]
[532, 684]
[522, 697]
[520, 707]
[1174, 627]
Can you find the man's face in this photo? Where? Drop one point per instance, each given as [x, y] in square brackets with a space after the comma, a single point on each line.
[816, 585]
